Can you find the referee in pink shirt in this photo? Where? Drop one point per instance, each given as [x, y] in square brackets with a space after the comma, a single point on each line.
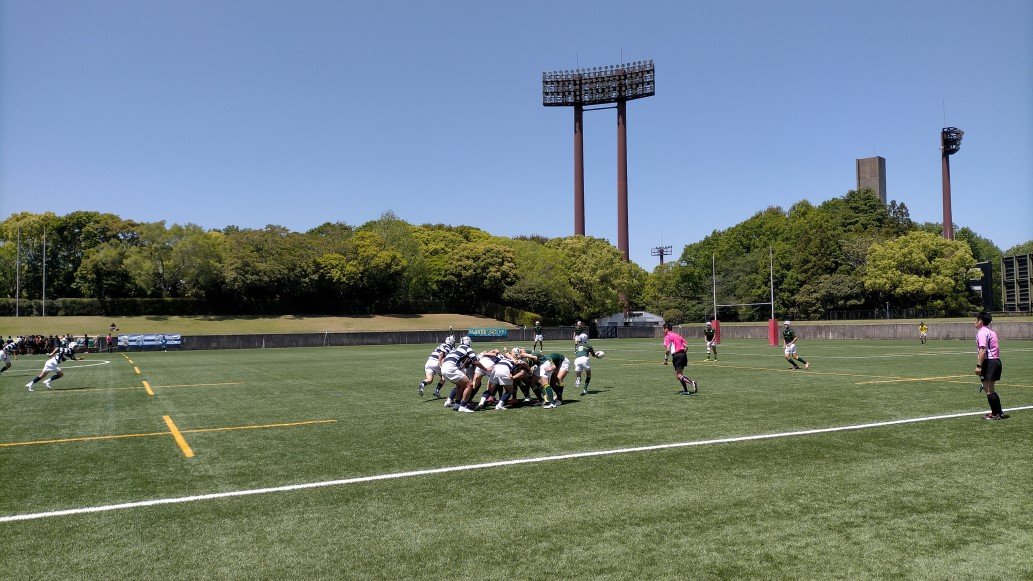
[988, 363]
[674, 347]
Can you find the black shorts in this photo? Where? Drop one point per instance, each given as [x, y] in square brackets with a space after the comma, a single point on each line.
[991, 370]
[680, 360]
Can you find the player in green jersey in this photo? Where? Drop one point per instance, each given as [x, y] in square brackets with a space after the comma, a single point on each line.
[539, 337]
[582, 353]
[579, 329]
[789, 342]
[710, 335]
[552, 369]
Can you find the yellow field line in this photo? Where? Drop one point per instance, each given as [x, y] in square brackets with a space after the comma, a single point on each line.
[258, 426]
[135, 387]
[137, 370]
[203, 384]
[148, 434]
[178, 437]
[908, 379]
[129, 360]
[81, 439]
[975, 381]
[147, 387]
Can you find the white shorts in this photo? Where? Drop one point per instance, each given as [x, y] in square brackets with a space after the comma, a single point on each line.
[4, 356]
[501, 376]
[538, 338]
[581, 364]
[488, 363]
[711, 345]
[452, 373]
[432, 366]
[791, 350]
[51, 366]
[544, 369]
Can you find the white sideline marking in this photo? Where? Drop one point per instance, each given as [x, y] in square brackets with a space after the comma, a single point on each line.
[32, 373]
[466, 467]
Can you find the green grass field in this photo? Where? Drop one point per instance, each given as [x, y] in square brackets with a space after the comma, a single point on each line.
[932, 499]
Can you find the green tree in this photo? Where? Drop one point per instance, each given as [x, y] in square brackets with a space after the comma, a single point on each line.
[921, 270]
[599, 275]
[1024, 248]
[367, 274]
[478, 271]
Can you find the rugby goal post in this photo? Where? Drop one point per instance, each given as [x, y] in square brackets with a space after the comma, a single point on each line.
[772, 322]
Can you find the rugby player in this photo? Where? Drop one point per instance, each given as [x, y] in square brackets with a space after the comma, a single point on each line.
[433, 365]
[552, 369]
[582, 352]
[539, 337]
[9, 349]
[57, 356]
[710, 335]
[454, 369]
[789, 342]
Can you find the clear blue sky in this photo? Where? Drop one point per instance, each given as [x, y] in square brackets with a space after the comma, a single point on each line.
[296, 113]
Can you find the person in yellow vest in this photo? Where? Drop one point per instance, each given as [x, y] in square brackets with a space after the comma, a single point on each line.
[923, 331]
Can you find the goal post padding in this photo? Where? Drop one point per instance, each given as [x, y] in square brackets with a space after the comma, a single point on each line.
[773, 332]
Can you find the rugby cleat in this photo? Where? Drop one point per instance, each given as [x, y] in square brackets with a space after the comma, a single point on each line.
[29, 385]
[46, 382]
[421, 389]
[464, 409]
[695, 387]
[448, 402]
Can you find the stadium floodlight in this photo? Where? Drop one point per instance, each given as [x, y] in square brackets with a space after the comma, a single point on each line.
[951, 139]
[950, 143]
[590, 86]
[579, 88]
[661, 251]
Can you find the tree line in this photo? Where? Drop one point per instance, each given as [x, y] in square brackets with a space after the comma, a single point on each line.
[851, 252]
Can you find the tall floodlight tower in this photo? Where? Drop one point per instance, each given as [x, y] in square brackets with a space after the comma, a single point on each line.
[950, 143]
[579, 88]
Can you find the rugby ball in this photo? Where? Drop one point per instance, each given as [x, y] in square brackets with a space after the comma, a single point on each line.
[600, 354]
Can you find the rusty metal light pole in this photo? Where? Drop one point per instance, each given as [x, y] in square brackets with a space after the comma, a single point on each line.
[615, 84]
[579, 170]
[950, 143]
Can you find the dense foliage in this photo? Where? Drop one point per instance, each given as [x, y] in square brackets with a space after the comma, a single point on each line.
[383, 266]
[849, 253]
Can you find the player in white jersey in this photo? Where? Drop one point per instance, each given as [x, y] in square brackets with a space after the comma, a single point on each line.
[57, 356]
[433, 365]
[453, 368]
[487, 359]
[8, 351]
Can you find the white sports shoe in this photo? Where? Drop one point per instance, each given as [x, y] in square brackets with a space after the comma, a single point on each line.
[448, 402]
[499, 406]
[29, 385]
[464, 409]
[46, 382]
[549, 406]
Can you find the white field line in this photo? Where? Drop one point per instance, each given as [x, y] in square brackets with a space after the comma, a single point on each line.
[29, 371]
[467, 467]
